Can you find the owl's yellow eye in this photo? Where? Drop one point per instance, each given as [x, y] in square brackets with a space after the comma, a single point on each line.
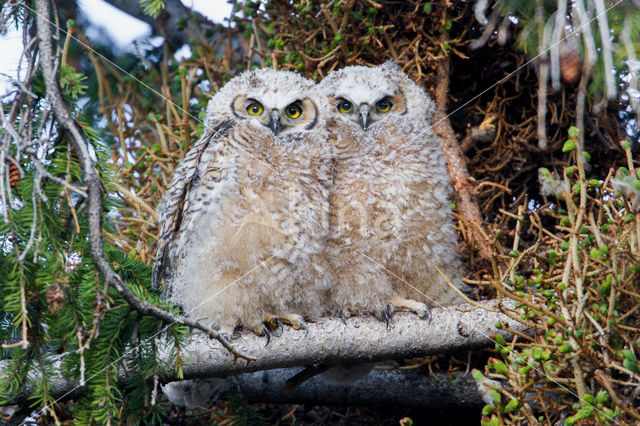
[383, 105]
[345, 107]
[255, 109]
[293, 111]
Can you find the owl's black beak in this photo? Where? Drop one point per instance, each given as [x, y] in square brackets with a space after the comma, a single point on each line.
[364, 118]
[274, 122]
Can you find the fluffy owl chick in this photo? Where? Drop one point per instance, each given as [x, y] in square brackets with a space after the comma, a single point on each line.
[390, 220]
[245, 218]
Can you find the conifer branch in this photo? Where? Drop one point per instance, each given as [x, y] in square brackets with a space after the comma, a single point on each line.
[94, 190]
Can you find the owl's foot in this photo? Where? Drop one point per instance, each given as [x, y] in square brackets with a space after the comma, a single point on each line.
[385, 314]
[226, 336]
[228, 333]
[262, 330]
[294, 320]
[344, 314]
[414, 306]
[274, 325]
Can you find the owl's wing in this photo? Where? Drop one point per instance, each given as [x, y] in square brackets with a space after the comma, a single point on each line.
[174, 201]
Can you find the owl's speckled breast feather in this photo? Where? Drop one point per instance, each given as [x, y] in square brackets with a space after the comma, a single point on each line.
[246, 215]
[390, 218]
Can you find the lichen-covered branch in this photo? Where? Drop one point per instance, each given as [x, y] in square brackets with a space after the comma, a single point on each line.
[332, 341]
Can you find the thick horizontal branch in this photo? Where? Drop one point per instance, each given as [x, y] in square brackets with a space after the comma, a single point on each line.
[402, 388]
[380, 387]
[331, 341]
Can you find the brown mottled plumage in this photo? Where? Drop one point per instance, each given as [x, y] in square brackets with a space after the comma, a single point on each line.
[245, 218]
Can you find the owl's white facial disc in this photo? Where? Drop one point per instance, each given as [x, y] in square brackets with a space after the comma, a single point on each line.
[369, 96]
[362, 85]
[276, 100]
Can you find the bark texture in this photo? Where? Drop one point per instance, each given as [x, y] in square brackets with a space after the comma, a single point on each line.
[331, 341]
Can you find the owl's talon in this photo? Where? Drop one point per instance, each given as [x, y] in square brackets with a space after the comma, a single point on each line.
[237, 332]
[277, 331]
[267, 333]
[272, 322]
[422, 311]
[343, 318]
[426, 315]
[304, 327]
[387, 313]
[262, 330]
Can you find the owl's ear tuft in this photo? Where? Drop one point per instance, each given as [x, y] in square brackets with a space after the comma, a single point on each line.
[390, 66]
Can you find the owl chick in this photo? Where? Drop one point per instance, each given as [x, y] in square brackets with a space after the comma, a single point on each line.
[245, 218]
[390, 217]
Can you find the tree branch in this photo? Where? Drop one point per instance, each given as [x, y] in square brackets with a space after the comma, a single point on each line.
[456, 165]
[94, 188]
[379, 387]
[331, 341]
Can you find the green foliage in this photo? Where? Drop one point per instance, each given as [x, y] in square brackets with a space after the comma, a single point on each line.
[81, 315]
[53, 302]
[152, 7]
[72, 82]
[596, 262]
[569, 145]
